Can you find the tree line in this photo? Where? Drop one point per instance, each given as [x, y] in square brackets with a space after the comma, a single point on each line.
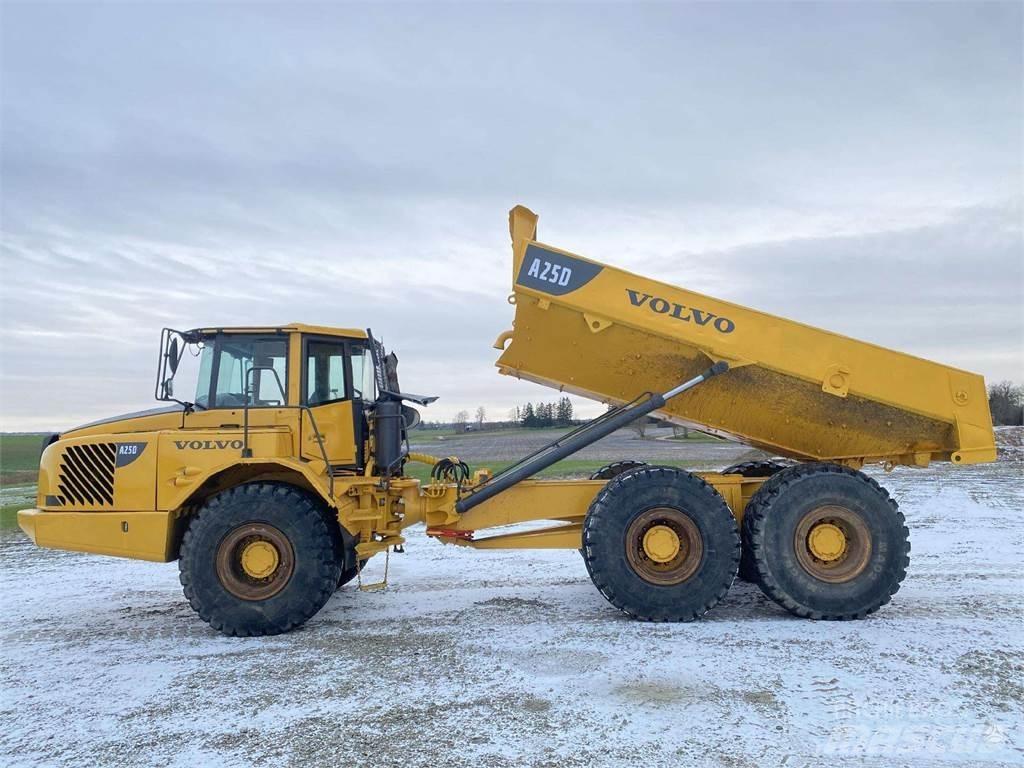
[1006, 402]
[535, 416]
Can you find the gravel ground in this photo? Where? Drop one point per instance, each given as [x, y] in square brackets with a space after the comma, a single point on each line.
[501, 659]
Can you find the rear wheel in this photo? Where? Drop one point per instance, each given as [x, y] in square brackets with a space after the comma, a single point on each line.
[827, 542]
[760, 468]
[661, 544]
[613, 470]
[258, 559]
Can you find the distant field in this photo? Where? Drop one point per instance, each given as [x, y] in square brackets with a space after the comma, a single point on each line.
[19, 467]
[19, 458]
[444, 435]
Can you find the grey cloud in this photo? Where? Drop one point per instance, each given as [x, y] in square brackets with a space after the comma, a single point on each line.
[854, 166]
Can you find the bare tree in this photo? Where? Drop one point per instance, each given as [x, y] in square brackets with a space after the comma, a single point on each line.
[639, 426]
[460, 421]
[1005, 401]
[481, 414]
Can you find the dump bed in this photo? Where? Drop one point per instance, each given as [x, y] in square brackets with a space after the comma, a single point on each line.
[793, 390]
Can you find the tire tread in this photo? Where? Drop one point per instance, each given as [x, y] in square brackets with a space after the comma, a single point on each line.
[756, 515]
[600, 521]
[322, 550]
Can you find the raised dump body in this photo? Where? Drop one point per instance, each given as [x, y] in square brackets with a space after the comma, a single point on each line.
[794, 390]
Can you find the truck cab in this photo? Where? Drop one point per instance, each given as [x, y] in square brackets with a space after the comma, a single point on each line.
[243, 404]
[318, 381]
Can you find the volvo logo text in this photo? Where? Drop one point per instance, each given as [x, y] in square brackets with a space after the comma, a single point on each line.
[207, 445]
[662, 306]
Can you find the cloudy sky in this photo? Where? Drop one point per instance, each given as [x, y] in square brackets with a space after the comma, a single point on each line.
[856, 167]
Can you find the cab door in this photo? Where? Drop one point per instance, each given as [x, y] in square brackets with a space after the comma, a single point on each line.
[327, 389]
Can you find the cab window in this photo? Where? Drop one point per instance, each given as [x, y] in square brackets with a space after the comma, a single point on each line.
[362, 373]
[225, 372]
[326, 378]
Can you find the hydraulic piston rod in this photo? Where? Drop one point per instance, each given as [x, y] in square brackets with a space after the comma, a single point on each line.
[578, 439]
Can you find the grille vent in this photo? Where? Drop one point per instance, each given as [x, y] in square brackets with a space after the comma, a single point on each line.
[87, 474]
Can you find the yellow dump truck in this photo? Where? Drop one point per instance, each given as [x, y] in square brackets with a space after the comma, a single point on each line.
[285, 472]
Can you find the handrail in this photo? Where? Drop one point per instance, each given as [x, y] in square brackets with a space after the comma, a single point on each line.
[247, 451]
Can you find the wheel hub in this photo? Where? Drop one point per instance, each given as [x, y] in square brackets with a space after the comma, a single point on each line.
[255, 561]
[259, 559]
[833, 543]
[664, 546]
[827, 542]
[661, 543]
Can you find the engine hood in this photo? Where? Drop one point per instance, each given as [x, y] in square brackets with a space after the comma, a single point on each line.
[137, 421]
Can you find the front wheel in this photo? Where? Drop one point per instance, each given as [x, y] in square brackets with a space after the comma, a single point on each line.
[661, 544]
[258, 559]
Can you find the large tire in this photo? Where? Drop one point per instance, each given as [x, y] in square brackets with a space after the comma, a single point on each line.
[259, 559]
[855, 571]
[639, 507]
[345, 552]
[759, 468]
[613, 470]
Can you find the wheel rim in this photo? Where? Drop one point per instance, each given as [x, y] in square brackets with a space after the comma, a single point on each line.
[255, 561]
[833, 544]
[664, 546]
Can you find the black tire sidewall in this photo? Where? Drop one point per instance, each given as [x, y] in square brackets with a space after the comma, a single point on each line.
[629, 496]
[752, 469]
[313, 546]
[777, 563]
[756, 469]
[613, 470]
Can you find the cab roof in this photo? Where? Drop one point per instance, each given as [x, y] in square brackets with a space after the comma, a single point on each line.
[320, 330]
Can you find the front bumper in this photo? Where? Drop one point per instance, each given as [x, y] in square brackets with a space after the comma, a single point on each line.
[150, 536]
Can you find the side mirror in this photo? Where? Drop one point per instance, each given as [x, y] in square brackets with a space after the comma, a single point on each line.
[168, 387]
[411, 417]
[173, 358]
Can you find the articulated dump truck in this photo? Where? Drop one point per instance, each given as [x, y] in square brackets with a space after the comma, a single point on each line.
[286, 470]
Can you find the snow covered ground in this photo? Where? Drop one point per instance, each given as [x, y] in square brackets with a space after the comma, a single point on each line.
[500, 659]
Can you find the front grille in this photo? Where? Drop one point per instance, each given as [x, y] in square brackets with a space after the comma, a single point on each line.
[87, 473]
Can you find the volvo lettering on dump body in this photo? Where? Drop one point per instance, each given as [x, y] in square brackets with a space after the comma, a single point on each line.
[662, 306]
